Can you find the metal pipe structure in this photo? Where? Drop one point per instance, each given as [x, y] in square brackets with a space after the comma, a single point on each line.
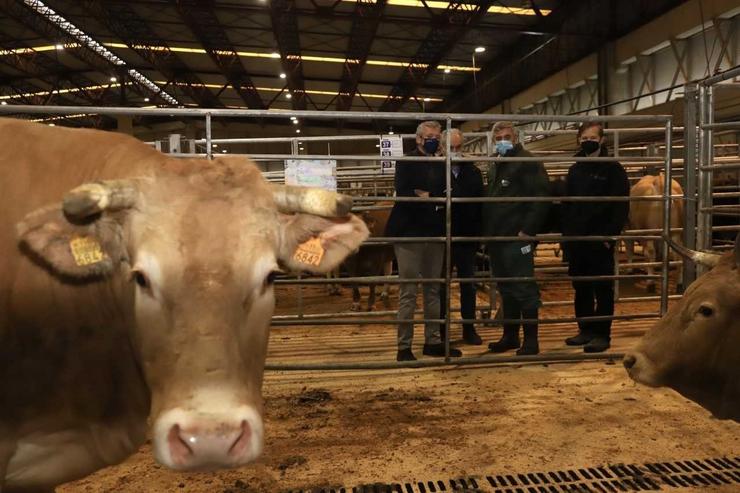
[722, 76]
[209, 146]
[448, 234]
[666, 220]
[690, 179]
[320, 115]
[482, 360]
[448, 239]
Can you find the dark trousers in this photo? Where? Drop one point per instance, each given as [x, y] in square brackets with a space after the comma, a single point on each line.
[593, 298]
[462, 258]
[515, 259]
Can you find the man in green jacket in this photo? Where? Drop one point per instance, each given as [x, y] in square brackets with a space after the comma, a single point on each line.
[520, 299]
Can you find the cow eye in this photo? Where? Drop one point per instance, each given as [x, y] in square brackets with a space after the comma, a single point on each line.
[706, 311]
[141, 280]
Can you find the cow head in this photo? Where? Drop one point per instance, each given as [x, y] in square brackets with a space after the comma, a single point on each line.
[694, 347]
[196, 248]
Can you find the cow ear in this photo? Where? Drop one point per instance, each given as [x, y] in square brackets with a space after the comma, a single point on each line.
[318, 244]
[87, 251]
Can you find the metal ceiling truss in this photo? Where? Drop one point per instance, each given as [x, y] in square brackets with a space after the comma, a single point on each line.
[579, 27]
[365, 23]
[46, 28]
[122, 20]
[447, 28]
[285, 26]
[201, 18]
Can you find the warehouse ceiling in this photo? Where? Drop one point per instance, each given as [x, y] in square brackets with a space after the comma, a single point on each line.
[384, 55]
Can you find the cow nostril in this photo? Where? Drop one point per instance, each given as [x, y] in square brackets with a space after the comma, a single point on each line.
[242, 441]
[179, 448]
[629, 361]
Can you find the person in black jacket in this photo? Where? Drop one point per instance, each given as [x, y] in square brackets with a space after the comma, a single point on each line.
[519, 299]
[593, 258]
[467, 181]
[422, 259]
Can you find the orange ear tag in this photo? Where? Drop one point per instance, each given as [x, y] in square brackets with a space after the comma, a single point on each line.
[309, 252]
[86, 250]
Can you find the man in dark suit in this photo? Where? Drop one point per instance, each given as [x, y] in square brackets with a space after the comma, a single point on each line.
[467, 181]
[419, 259]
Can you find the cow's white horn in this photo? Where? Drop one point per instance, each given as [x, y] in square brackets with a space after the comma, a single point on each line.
[311, 201]
[95, 197]
[702, 258]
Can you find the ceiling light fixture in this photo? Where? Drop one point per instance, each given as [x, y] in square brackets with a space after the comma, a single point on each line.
[435, 4]
[48, 14]
[288, 96]
[245, 54]
[298, 131]
[58, 47]
[480, 49]
[282, 75]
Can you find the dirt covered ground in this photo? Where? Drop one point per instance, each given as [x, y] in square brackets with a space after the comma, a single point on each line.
[331, 429]
[347, 428]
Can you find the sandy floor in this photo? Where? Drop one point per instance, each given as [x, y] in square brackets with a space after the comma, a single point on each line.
[400, 426]
[335, 429]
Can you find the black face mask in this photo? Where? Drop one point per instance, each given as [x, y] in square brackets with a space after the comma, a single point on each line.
[590, 146]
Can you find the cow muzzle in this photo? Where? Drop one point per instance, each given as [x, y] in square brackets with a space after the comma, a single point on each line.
[196, 440]
[640, 369]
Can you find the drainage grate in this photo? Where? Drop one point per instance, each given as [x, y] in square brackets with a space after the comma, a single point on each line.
[651, 476]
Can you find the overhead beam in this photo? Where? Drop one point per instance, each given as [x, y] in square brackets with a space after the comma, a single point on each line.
[446, 30]
[200, 16]
[37, 17]
[527, 60]
[122, 20]
[365, 23]
[285, 27]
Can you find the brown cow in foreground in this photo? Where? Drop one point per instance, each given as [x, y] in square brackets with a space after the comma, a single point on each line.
[136, 288]
[649, 215]
[694, 348]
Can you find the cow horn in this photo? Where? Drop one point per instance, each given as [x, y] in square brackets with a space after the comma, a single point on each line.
[311, 201]
[702, 258]
[95, 197]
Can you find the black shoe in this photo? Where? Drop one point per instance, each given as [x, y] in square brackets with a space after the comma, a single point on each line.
[470, 336]
[597, 345]
[405, 355]
[438, 350]
[528, 349]
[504, 344]
[579, 340]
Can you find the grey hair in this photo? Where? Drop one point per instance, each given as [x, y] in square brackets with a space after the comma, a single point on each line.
[452, 131]
[499, 126]
[427, 124]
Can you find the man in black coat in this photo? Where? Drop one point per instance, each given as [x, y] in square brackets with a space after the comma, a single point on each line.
[467, 181]
[594, 258]
[515, 179]
[419, 259]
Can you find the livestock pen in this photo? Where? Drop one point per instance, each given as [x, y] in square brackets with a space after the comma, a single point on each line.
[341, 415]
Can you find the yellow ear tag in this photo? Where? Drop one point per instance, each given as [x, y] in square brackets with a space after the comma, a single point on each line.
[309, 252]
[86, 250]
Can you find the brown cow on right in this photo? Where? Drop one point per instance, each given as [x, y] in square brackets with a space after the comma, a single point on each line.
[693, 349]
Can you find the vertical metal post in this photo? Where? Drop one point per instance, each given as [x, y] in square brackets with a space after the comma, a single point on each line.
[616, 143]
[690, 178]
[294, 152]
[666, 219]
[209, 147]
[448, 236]
[706, 156]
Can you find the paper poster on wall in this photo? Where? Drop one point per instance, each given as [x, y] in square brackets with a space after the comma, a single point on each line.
[320, 173]
[390, 145]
